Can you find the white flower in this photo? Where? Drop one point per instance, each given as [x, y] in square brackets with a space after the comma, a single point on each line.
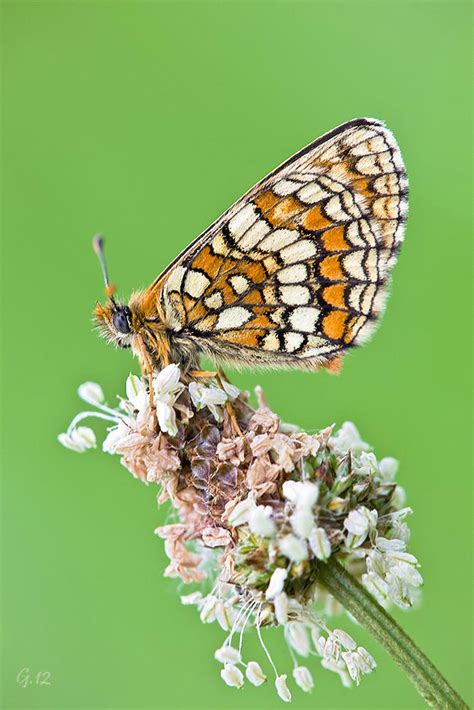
[365, 661]
[359, 523]
[255, 674]
[241, 513]
[357, 662]
[193, 598]
[393, 545]
[297, 636]
[302, 522]
[223, 615]
[208, 610]
[118, 437]
[367, 464]
[344, 639]
[211, 397]
[377, 586]
[232, 676]
[277, 581]
[388, 468]
[136, 392]
[282, 688]
[167, 382]
[303, 678]
[91, 393]
[227, 654]
[280, 603]
[338, 667]
[231, 390]
[348, 438]
[167, 388]
[293, 548]
[166, 418]
[400, 593]
[80, 439]
[260, 521]
[301, 493]
[319, 544]
[350, 660]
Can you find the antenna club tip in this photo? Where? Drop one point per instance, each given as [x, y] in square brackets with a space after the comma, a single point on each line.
[110, 290]
[98, 243]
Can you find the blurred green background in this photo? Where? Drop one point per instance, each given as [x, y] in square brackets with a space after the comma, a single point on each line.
[145, 120]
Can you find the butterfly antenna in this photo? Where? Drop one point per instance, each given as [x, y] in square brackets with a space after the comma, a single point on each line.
[98, 246]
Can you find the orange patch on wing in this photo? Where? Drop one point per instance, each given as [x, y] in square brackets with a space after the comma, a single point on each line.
[282, 212]
[254, 271]
[334, 323]
[333, 240]
[246, 338]
[313, 220]
[197, 312]
[261, 321]
[207, 262]
[253, 298]
[334, 295]
[265, 201]
[330, 268]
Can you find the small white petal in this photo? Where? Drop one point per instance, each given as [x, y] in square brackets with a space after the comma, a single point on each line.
[223, 615]
[168, 380]
[303, 678]
[344, 639]
[297, 636]
[166, 418]
[280, 603]
[260, 521]
[293, 548]
[282, 688]
[255, 674]
[385, 545]
[227, 654]
[231, 675]
[348, 438]
[319, 544]
[208, 611]
[193, 598]
[69, 443]
[302, 522]
[277, 581]
[350, 660]
[231, 391]
[365, 661]
[388, 468]
[241, 513]
[85, 436]
[301, 493]
[91, 393]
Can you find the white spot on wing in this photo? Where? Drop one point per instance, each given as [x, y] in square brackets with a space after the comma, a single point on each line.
[254, 235]
[175, 279]
[300, 251]
[232, 318]
[278, 239]
[293, 274]
[304, 319]
[295, 295]
[293, 341]
[239, 283]
[195, 283]
[243, 220]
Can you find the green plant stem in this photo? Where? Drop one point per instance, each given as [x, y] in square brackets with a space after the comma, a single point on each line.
[428, 681]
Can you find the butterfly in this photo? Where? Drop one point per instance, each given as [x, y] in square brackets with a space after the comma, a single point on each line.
[294, 274]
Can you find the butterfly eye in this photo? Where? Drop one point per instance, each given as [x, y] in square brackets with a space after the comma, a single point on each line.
[120, 320]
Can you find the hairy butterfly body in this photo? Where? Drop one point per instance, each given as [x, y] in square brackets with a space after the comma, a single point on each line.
[294, 274]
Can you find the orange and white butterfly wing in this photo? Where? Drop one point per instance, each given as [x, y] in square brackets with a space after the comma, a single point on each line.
[296, 271]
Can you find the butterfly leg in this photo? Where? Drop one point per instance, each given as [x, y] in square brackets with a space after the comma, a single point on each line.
[205, 374]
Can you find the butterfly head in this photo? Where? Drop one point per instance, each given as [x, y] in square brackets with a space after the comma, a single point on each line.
[114, 320]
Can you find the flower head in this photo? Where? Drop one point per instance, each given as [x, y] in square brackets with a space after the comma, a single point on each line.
[258, 506]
